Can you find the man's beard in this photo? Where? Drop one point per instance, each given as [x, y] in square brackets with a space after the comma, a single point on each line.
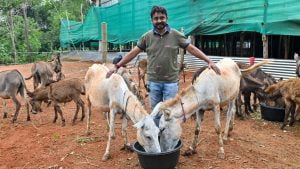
[160, 26]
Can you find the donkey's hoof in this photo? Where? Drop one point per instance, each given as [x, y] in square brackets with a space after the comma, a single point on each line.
[63, 124]
[14, 120]
[189, 152]
[88, 133]
[5, 115]
[28, 118]
[221, 155]
[127, 148]
[105, 157]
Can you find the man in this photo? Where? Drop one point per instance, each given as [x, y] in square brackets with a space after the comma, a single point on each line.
[161, 45]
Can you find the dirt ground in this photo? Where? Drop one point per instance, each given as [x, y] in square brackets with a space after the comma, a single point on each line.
[39, 143]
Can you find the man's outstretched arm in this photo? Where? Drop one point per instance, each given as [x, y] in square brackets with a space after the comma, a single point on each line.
[199, 54]
[127, 58]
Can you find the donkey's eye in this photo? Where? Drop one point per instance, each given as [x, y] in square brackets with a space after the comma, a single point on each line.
[148, 138]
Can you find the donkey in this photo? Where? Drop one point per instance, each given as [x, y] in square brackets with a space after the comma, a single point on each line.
[11, 83]
[142, 71]
[42, 72]
[209, 92]
[113, 95]
[289, 90]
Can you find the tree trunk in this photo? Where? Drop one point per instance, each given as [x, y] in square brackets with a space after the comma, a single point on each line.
[12, 35]
[26, 32]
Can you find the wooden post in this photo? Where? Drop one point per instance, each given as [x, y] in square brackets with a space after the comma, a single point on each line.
[104, 41]
[81, 13]
[265, 46]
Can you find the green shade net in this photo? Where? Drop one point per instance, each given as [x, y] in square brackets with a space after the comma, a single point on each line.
[129, 19]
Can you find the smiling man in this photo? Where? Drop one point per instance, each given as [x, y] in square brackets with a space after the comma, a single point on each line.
[161, 45]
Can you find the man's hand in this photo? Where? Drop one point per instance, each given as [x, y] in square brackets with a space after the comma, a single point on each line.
[113, 70]
[213, 66]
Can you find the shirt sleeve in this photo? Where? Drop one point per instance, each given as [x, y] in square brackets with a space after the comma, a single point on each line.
[182, 40]
[142, 43]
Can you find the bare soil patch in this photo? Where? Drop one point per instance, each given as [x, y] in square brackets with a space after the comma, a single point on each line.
[39, 143]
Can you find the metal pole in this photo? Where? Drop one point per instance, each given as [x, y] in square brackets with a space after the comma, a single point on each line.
[104, 41]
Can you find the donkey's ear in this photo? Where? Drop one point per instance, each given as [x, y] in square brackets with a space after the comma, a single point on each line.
[140, 124]
[157, 110]
[296, 56]
[58, 57]
[167, 114]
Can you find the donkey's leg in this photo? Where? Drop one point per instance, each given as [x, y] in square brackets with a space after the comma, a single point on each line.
[238, 103]
[63, 121]
[288, 108]
[247, 104]
[4, 108]
[216, 110]
[293, 112]
[35, 82]
[76, 112]
[199, 119]
[232, 118]
[231, 109]
[23, 94]
[55, 114]
[89, 116]
[124, 133]
[112, 112]
[18, 106]
[82, 109]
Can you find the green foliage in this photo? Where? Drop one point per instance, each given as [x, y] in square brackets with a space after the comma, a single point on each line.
[44, 25]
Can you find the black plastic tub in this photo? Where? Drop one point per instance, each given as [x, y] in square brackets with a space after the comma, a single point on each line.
[163, 160]
[272, 113]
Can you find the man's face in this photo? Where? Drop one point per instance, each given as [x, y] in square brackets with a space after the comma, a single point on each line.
[159, 20]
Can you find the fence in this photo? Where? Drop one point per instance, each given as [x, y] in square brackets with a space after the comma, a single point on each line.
[284, 68]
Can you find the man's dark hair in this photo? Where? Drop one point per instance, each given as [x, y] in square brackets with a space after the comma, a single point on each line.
[159, 9]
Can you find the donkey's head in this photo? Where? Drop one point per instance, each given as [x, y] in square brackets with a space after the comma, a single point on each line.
[169, 126]
[56, 64]
[147, 134]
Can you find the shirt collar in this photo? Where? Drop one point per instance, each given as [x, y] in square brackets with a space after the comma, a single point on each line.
[168, 29]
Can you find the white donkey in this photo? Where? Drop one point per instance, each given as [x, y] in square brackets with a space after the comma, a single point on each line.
[209, 92]
[113, 95]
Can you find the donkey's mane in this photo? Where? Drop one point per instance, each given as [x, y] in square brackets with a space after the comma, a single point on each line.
[177, 98]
